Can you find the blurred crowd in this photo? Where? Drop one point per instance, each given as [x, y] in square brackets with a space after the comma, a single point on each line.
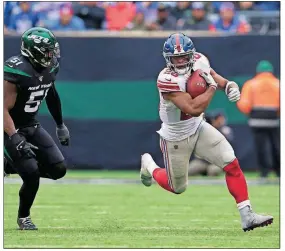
[79, 16]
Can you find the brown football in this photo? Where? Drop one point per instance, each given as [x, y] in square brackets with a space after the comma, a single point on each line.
[196, 85]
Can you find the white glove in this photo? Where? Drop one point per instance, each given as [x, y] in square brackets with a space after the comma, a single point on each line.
[233, 93]
[209, 79]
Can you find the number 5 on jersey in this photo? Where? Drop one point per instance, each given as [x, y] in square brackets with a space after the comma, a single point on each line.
[36, 98]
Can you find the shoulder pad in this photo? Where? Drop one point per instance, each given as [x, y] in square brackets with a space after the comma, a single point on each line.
[16, 69]
[201, 62]
[167, 81]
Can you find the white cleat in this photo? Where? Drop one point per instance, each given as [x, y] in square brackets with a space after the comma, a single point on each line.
[146, 177]
[251, 220]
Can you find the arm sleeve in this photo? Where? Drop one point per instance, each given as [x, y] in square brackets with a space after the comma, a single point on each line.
[54, 105]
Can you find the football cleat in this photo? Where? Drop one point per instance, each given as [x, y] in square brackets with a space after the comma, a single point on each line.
[146, 177]
[251, 220]
[26, 224]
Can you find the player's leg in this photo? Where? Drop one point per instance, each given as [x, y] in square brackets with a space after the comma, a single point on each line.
[213, 147]
[213, 170]
[28, 170]
[262, 145]
[51, 161]
[275, 147]
[174, 177]
[198, 167]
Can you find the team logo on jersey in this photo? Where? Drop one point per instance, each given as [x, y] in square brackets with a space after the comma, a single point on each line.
[41, 78]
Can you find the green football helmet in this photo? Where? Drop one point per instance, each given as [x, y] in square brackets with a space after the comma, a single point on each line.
[40, 46]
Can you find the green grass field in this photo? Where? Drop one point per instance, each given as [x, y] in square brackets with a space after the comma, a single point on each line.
[133, 216]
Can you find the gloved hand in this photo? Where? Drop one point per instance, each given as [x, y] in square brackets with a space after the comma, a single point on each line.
[233, 93]
[62, 134]
[209, 79]
[21, 147]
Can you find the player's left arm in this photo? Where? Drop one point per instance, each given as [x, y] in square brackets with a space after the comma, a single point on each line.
[231, 88]
[54, 106]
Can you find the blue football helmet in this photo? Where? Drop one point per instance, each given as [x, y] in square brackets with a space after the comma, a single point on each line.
[178, 46]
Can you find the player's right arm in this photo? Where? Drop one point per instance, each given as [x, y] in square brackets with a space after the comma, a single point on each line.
[10, 95]
[17, 144]
[187, 105]
[167, 84]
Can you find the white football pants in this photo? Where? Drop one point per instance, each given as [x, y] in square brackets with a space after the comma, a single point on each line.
[207, 143]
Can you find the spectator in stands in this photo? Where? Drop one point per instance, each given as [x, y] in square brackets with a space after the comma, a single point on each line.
[24, 19]
[149, 9]
[229, 21]
[120, 15]
[67, 21]
[138, 22]
[8, 8]
[164, 20]
[92, 15]
[245, 6]
[263, 109]
[181, 12]
[199, 20]
[49, 11]
[266, 5]
[199, 166]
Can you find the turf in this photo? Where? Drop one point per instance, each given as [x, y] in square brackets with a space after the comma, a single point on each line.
[133, 216]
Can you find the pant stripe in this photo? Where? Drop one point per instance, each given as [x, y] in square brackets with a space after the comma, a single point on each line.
[166, 161]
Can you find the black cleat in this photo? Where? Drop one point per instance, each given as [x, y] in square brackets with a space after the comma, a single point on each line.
[26, 224]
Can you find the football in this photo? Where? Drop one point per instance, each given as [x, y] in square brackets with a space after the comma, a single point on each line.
[196, 85]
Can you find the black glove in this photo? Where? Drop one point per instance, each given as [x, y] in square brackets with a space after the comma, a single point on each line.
[21, 147]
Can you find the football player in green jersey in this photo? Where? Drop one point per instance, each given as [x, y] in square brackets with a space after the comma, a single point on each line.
[29, 150]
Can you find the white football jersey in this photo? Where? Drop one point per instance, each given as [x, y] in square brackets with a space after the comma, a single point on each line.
[177, 125]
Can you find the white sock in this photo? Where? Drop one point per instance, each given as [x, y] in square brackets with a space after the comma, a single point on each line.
[151, 167]
[243, 204]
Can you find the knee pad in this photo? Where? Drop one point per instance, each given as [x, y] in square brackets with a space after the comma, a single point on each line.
[28, 169]
[58, 170]
[227, 153]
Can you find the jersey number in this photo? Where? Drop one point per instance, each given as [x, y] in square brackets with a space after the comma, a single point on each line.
[16, 61]
[36, 98]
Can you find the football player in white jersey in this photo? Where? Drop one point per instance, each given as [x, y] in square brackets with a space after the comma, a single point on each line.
[184, 131]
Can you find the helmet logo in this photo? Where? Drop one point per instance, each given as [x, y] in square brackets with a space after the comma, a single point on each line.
[37, 39]
[178, 49]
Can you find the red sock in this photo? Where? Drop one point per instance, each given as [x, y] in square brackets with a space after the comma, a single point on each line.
[160, 175]
[236, 182]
